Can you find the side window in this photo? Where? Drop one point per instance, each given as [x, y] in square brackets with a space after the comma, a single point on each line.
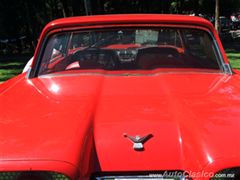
[146, 37]
[80, 40]
[56, 47]
[169, 37]
[54, 51]
[195, 44]
[200, 46]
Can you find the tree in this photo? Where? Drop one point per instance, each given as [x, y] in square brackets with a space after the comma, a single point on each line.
[217, 16]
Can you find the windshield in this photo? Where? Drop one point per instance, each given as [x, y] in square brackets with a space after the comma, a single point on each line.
[129, 49]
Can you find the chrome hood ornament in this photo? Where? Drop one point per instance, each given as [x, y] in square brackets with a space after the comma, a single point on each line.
[138, 141]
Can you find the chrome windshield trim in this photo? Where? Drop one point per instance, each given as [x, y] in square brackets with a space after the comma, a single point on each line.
[28, 73]
[226, 67]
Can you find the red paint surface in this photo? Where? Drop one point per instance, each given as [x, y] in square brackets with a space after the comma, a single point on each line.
[196, 117]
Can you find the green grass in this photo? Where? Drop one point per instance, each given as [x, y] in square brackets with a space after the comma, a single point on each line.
[10, 69]
[11, 64]
[234, 58]
[9, 73]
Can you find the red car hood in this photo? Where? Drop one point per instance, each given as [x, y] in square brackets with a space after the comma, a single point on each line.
[194, 120]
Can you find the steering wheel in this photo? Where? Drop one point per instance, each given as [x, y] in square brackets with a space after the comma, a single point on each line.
[93, 57]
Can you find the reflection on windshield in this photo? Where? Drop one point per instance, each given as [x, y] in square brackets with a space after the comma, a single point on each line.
[129, 49]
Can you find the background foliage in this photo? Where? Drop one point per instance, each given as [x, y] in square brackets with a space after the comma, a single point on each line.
[28, 17]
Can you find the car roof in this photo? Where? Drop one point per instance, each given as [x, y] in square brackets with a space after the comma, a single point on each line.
[128, 18]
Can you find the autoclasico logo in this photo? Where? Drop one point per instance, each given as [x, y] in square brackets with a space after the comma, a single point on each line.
[192, 174]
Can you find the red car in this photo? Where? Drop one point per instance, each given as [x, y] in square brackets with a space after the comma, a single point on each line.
[123, 97]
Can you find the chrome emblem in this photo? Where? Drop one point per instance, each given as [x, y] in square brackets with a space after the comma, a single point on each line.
[138, 141]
